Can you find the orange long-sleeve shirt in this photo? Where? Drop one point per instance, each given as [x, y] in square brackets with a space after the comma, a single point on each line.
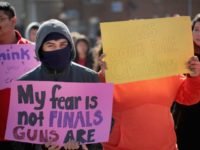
[141, 111]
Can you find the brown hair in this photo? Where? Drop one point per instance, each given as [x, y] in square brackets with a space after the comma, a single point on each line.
[195, 20]
[97, 51]
[196, 47]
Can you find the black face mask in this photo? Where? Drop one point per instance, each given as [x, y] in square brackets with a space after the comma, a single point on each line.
[57, 60]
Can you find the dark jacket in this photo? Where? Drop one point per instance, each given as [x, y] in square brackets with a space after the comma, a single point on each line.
[72, 73]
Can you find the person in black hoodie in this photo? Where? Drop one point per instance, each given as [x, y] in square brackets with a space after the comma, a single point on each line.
[187, 118]
[55, 49]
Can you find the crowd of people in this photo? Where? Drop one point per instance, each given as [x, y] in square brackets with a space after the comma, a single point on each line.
[142, 118]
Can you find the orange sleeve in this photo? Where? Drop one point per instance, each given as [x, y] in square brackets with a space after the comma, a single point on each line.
[189, 91]
[4, 105]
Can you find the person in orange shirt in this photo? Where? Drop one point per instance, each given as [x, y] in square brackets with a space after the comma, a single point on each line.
[141, 110]
[187, 118]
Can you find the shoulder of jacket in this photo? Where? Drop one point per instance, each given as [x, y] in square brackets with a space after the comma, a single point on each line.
[30, 75]
[82, 69]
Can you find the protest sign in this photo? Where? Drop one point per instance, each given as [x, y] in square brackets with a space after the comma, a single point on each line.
[15, 60]
[147, 48]
[59, 111]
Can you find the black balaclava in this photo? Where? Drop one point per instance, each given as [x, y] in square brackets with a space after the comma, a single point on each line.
[56, 60]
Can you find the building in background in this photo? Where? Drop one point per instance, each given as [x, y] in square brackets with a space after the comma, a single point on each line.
[84, 15]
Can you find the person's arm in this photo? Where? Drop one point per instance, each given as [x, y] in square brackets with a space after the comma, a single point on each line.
[189, 91]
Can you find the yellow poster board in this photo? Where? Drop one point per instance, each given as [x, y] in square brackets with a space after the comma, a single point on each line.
[146, 49]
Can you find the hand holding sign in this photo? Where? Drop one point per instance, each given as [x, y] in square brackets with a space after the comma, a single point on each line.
[194, 66]
[52, 147]
[71, 145]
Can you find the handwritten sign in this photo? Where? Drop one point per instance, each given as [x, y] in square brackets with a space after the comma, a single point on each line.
[15, 60]
[40, 111]
[146, 49]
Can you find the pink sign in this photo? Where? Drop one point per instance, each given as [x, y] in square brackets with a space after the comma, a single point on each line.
[15, 60]
[60, 111]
